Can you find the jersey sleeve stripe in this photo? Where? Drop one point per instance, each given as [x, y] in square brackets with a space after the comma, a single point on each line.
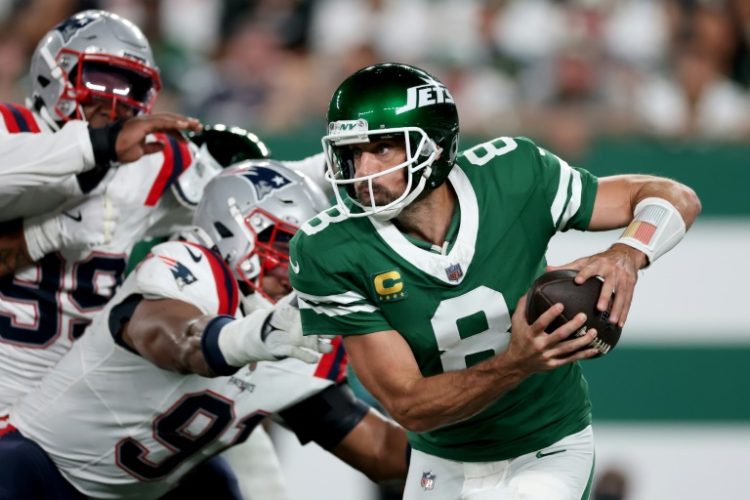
[176, 160]
[568, 197]
[341, 298]
[332, 366]
[561, 197]
[25, 118]
[574, 203]
[167, 165]
[185, 157]
[226, 286]
[9, 118]
[333, 311]
[179, 157]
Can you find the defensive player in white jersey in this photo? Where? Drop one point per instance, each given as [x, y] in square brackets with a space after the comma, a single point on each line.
[258, 472]
[165, 379]
[94, 82]
[94, 75]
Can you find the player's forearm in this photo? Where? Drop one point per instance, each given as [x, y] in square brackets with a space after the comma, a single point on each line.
[439, 400]
[684, 199]
[168, 333]
[178, 349]
[13, 252]
[617, 197]
[377, 447]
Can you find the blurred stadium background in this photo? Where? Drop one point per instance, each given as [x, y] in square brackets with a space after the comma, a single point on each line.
[653, 86]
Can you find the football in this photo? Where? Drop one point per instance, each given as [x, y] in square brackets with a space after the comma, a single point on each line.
[559, 286]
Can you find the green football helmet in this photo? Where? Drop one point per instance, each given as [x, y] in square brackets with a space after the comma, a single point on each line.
[390, 101]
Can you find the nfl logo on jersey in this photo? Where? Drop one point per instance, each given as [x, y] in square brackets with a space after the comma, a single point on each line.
[428, 480]
[454, 272]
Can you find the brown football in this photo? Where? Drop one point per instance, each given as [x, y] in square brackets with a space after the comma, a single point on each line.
[559, 286]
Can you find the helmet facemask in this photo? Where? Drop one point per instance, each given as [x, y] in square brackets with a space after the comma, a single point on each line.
[420, 153]
[268, 248]
[110, 79]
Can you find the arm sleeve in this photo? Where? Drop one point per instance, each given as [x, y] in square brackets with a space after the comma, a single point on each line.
[326, 417]
[34, 159]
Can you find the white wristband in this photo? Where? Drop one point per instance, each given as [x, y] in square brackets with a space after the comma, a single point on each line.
[43, 234]
[241, 342]
[656, 228]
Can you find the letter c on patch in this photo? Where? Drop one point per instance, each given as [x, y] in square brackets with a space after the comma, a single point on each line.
[388, 283]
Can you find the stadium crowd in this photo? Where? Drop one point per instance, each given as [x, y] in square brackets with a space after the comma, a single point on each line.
[556, 70]
[560, 71]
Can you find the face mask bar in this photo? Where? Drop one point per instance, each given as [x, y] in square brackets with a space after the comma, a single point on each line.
[269, 239]
[340, 172]
[109, 78]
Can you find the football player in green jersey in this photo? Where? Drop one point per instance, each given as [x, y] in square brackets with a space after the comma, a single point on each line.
[423, 265]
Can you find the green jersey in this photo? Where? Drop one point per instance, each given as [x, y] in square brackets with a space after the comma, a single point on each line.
[453, 305]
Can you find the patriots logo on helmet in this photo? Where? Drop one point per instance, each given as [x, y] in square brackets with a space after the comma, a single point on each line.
[182, 274]
[71, 25]
[265, 180]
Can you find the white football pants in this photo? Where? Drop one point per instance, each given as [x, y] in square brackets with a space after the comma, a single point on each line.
[561, 471]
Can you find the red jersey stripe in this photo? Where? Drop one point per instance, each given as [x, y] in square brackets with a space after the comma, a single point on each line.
[227, 290]
[28, 116]
[10, 120]
[177, 159]
[164, 173]
[333, 365]
[187, 158]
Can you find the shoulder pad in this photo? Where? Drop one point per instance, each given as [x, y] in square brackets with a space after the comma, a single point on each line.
[191, 273]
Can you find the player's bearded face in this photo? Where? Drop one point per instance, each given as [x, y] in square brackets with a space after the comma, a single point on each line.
[376, 157]
[382, 194]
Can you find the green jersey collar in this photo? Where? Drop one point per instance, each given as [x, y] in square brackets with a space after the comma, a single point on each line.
[451, 267]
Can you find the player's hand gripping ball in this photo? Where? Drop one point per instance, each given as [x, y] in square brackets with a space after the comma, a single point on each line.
[559, 286]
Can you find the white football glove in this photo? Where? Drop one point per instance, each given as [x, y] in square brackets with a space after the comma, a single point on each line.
[269, 336]
[89, 224]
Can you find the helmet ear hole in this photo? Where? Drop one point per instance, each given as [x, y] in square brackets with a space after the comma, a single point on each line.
[223, 230]
[42, 81]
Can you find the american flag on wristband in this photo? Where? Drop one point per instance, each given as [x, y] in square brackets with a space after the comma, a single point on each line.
[644, 228]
